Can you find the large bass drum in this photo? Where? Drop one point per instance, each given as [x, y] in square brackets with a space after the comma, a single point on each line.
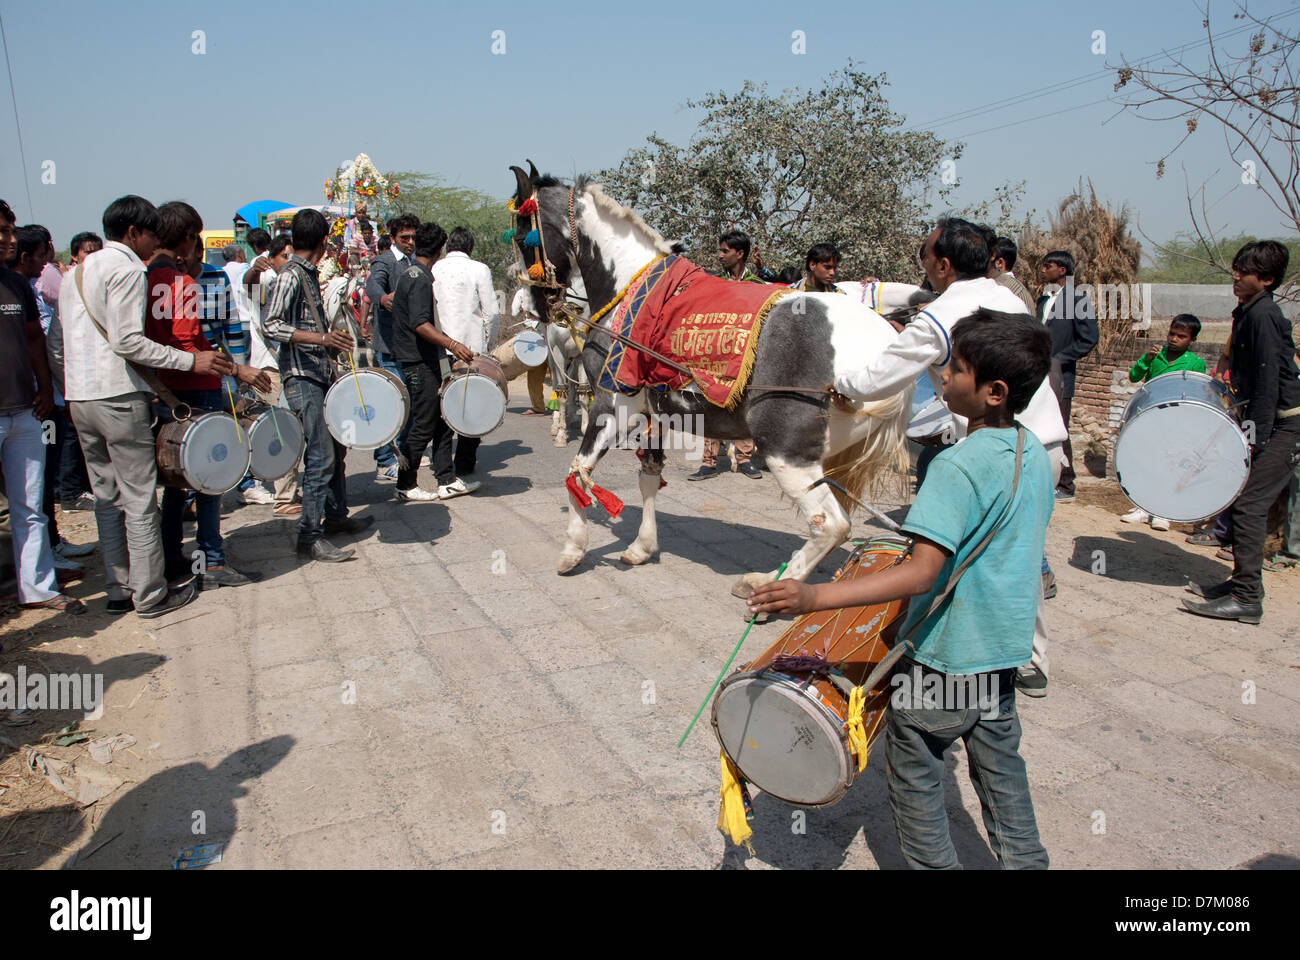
[783, 720]
[207, 452]
[474, 397]
[1180, 454]
[366, 409]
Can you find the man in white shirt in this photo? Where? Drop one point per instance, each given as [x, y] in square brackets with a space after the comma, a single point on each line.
[468, 312]
[955, 258]
[108, 400]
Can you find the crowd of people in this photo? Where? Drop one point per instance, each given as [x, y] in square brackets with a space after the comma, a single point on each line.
[94, 358]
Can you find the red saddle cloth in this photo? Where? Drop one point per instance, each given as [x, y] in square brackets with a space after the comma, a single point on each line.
[707, 324]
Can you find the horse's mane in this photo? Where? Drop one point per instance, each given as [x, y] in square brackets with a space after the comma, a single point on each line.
[610, 206]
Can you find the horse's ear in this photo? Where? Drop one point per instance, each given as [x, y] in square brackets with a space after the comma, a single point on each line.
[523, 186]
[533, 175]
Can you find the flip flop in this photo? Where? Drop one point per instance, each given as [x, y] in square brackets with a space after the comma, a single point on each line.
[63, 603]
[1204, 539]
[1280, 562]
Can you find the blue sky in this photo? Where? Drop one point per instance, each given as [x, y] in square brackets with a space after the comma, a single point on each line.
[114, 95]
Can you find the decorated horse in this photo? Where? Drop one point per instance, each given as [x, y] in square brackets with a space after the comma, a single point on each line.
[750, 361]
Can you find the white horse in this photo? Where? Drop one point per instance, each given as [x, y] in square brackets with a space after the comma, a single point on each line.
[804, 342]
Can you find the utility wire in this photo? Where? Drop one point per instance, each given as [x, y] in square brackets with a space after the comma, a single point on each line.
[22, 154]
[1068, 84]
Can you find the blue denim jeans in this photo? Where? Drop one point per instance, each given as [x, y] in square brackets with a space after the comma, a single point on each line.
[915, 741]
[207, 506]
[384, 456]
[324, 488]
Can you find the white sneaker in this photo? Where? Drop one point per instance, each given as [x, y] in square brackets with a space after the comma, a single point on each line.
[386, 474]
[256, 494]
[417, 495]
[1136, 515]
[1159, 523]
[457, 488]
[71, 550]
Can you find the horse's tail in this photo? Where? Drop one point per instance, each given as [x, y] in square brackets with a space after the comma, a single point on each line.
[877, 464]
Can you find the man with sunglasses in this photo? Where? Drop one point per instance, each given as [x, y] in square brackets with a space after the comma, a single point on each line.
[381, 286]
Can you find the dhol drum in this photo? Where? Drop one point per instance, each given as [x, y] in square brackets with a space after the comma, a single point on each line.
[783, 720]
[275, 439]
[367, 409]
[208, 452]
[1180, 454]
[474, 397]
[530, 348]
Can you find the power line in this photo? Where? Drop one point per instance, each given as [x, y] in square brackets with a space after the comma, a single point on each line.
[1063, 85]
[22, 154]
[1041, 116]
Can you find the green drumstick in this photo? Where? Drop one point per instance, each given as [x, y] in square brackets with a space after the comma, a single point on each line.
[727, 666]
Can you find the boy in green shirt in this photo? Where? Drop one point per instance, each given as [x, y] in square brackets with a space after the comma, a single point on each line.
[1176, 354]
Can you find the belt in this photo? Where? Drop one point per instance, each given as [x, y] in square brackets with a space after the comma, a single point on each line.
[1284, 414]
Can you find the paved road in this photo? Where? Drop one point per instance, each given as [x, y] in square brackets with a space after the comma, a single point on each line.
[446, 699]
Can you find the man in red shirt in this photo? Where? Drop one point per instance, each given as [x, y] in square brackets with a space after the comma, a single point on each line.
[173, 319]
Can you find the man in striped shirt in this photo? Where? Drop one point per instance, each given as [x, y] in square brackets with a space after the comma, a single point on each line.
[296, 320]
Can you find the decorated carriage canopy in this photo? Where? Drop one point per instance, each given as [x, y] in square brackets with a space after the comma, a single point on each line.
[705, 323]
[360, 188]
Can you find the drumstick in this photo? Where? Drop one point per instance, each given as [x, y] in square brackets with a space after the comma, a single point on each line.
[231, 393]
[357, 381]
[780, 570]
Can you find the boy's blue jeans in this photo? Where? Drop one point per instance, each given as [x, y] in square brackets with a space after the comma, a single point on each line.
[915, 741]
[324, 488]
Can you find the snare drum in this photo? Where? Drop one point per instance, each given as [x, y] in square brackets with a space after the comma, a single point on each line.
[367, 410]
[275, 439]
[209, 452]
[1180, 454]
[530, 348]
[785, 727]
[474, 397]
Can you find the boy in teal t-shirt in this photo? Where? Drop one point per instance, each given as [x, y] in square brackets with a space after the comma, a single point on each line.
[977, 636]
[1176, 354]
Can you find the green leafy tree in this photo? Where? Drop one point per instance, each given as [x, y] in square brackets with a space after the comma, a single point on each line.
[1183, 259]
[805, 167]
[426, 196]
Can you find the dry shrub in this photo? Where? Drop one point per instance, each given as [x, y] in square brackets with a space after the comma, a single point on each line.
[1098, 238]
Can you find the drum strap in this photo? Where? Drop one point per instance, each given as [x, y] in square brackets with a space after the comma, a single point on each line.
[146, 373]
[904, 643]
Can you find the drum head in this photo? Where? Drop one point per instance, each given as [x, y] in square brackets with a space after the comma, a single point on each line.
[214, 453]
[530, 348]
[473, 405]
[1182, 461]
[368, 425]
[277, 443]
[781, 739]
[931, 419]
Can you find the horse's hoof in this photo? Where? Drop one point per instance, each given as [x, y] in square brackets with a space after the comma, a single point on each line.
[634, 557]
[742, 589]
[561, 440]
[567, 563]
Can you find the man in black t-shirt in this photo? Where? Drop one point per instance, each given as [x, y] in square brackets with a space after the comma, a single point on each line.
[1266, 383]
[26, 399]
[418, 346]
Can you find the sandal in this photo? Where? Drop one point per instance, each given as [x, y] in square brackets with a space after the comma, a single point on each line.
[1204, 539]
[62, 603]
[1280, 562]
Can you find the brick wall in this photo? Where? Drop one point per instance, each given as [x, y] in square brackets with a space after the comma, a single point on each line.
[1101, 392]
